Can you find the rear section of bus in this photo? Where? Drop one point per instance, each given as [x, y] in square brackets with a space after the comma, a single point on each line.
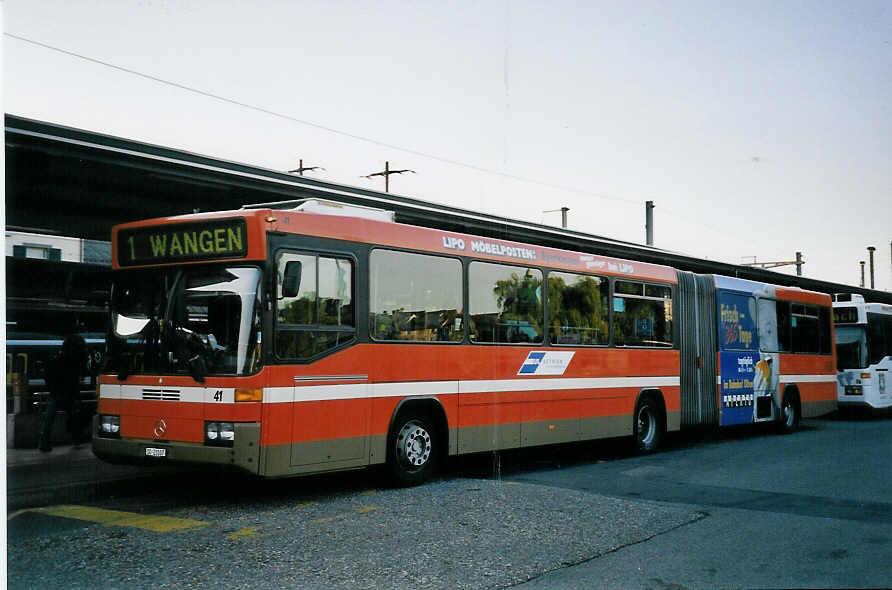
[775, 353]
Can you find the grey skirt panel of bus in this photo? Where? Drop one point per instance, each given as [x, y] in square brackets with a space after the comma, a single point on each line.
[696, 313]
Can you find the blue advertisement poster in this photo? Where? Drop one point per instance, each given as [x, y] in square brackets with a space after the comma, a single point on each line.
[738, 395]
[738, 356]
[737, 321]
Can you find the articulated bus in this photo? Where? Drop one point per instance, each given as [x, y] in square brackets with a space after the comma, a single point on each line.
[317, 336]
[863, 351]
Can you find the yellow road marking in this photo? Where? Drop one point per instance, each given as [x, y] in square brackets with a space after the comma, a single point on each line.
[251, 532]
[361, 509]
[160, 524]
[17, 513]
[325, 519]
[305, 505]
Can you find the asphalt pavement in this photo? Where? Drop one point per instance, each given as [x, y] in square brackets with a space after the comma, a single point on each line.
[725, 509]
[70, 473]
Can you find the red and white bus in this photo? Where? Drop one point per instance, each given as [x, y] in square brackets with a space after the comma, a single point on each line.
[322, 336]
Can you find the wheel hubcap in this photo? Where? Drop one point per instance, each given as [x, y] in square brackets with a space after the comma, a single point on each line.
[646, 426]
[413, 445]
[789, 414]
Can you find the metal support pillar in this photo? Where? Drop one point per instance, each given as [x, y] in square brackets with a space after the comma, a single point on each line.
[871, 250]
[649, 221]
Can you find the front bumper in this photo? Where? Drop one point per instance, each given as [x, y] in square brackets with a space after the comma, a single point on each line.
[244, 454]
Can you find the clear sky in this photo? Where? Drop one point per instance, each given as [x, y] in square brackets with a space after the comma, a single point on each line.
[757, 128]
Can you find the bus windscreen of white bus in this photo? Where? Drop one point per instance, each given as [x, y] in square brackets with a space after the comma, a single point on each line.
[851, 347]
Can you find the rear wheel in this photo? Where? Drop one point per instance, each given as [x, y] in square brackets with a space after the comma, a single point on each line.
[413, 450]
[789, 415]
[648, 426]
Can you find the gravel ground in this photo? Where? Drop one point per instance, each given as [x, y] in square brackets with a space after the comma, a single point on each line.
[462, 533]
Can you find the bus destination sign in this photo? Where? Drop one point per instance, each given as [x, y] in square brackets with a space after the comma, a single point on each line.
[845, 315]
[183, 242]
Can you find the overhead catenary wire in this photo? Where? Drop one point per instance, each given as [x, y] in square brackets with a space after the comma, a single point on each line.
[319, 126]
[339, 132]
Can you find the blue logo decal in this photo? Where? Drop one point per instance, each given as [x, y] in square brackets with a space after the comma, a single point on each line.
[531, 364]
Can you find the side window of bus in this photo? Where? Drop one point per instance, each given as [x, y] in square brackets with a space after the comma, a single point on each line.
[578, 307]
[805, 328]
[321, 315]
[642, 315]
[302, 308]
[415, 297]
[768, 325]
[784, 327]
[505, 303]
[826, 318]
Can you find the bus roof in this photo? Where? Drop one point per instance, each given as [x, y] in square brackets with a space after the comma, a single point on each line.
[371, 229]
[771, 291]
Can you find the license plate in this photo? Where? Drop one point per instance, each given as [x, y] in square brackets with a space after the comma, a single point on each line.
[152, 452]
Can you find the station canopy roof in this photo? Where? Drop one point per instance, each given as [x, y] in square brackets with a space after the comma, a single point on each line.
[61, 180]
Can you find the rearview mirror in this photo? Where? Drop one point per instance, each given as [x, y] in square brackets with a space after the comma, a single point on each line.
[291, 280]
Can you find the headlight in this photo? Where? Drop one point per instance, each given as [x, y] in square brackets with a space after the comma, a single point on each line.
[219, 433]
[109, 425]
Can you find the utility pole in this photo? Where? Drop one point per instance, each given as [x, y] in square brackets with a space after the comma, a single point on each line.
[870, 250]
[798, 262]
[649, 222]
[301, 168]
[386, 174]
[563, 211]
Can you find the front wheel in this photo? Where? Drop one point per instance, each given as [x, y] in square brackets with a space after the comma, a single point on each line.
[648, 426]
[789, 415]
[413, 451]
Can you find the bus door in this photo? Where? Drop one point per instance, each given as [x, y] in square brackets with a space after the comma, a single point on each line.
[766, 377]
[696, 313]
[314, 333]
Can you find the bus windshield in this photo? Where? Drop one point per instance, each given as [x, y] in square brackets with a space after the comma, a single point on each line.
[851, 347]
[196, 321]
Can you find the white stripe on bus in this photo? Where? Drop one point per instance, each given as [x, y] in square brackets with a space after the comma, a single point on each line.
[808, 378]
[274, 395]
[184, 394]
[796, 379]
[288, 394]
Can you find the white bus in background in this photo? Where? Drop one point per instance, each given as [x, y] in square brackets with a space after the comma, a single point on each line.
[863, 351]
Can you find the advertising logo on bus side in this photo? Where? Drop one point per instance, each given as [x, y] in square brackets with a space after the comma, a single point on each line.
[478, 246]
[540, 362]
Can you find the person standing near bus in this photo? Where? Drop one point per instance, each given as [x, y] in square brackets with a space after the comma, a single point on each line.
[63, 379]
